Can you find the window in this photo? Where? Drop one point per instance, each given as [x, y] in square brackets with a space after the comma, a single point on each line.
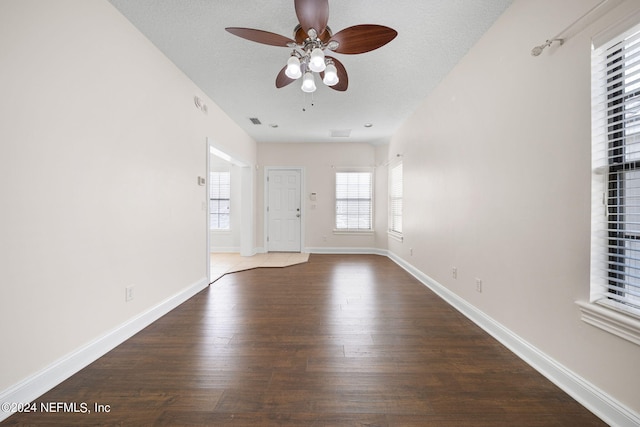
[353, 201]
[395, 199]
[615, 254]
[220, 193]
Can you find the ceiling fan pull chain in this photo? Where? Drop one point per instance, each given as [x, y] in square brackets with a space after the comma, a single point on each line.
[304, 101]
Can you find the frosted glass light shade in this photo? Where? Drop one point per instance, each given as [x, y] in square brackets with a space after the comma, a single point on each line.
[293, 68]
[331, 75]
[308, 82]
[316, 62]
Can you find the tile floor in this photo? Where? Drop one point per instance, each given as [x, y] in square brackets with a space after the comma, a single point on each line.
[223, 263]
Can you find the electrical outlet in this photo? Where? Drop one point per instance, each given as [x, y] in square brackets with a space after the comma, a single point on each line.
[128, 293]
[479, 285]
[454, 272]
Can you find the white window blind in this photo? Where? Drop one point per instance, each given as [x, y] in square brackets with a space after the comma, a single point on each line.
[395, 199]
[616, 166]
[353, 200]
[220, 200]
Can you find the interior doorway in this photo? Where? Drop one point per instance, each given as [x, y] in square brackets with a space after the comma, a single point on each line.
[239, 237]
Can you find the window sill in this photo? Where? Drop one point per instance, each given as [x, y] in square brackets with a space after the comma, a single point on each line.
[395, 235]
[353, 232]
[611, 319]
[217, 231]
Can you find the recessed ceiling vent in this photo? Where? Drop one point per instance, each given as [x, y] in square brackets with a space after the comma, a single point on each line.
[340, 133]
[255, 120]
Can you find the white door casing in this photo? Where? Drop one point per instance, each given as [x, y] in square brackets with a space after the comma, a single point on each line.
[284, 210]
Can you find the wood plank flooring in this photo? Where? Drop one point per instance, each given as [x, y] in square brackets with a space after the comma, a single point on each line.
[338, 341]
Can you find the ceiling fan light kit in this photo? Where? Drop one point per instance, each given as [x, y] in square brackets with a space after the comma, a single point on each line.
[312, 38]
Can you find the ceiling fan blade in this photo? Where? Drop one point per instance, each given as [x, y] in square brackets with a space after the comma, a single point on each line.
[313, 14]
[343, 77]
[299, 34]
[363, 38]
[282, 80]
[260, 36]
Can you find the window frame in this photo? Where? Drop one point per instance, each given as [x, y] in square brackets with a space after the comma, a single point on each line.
[348, 230]
[611, 162]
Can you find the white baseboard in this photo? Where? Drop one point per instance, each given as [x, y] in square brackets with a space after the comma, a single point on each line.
[346, 251]
[224, 249]
[591, 397]
[39, 383]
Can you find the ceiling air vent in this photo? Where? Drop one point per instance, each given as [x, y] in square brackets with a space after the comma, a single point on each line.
[255, 120]
[340, 133]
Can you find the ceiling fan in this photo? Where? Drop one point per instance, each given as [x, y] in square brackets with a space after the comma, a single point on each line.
[311, 38]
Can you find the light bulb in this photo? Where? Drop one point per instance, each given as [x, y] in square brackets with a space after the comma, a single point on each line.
[316, 62]
[331, 75]
[308, 82]
[293, 68]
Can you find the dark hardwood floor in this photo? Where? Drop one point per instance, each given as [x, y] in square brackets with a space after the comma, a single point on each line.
[338, 341]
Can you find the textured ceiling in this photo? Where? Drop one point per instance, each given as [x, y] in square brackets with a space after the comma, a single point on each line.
[385, 85]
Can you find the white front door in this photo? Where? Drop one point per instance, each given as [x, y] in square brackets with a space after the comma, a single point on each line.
[284, 216]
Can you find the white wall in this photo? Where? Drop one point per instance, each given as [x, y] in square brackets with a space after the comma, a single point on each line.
[497, 184]
[100, 149]
[319, 162]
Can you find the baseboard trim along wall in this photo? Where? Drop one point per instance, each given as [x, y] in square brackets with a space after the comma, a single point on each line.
[39, 383]
[224, 249]
[347, 251]
[591, 397]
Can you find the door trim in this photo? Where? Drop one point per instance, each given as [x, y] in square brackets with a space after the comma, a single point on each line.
[265, 201]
